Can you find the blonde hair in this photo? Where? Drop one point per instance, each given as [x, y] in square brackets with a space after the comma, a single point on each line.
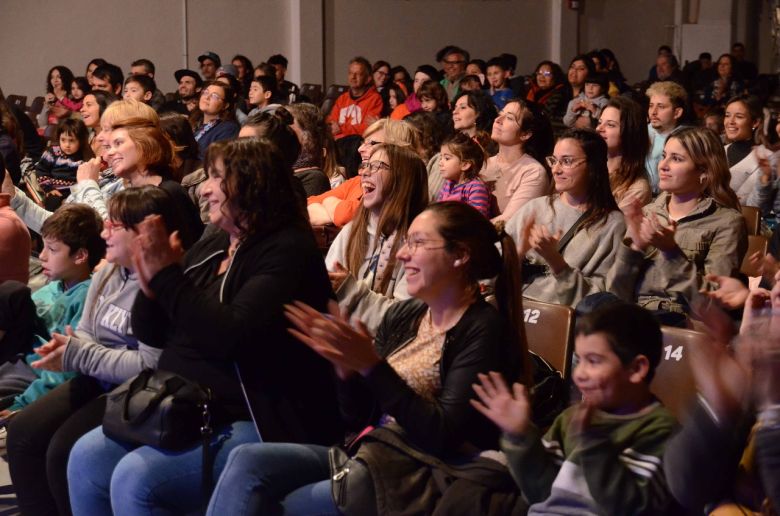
[676, 93]
[708, 155]
[155, 147]
[397, 132]
[122, 110]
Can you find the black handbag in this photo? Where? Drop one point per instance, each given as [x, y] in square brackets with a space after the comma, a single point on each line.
[158, 408]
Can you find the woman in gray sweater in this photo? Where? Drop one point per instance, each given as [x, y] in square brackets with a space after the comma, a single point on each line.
[569, 238]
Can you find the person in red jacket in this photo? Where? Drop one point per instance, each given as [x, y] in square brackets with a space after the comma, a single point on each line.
[355, 109]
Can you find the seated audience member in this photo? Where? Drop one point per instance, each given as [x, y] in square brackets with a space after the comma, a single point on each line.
[244, 69]
[433, 99]
[215, 118]
[91, 66]
[56, 171]
[92, 109]
[227, 75]
[498, 80]
[93, 187]
[288, 91]
[570, 238]
[472, 112]
[431, 133]
[392, 97]
[515, 174]
[187, 95]
[727, 83]
[15, 243]
[412, 103]
[232, 286]
[694, 228]
[185, 158]
[72, 247]
[548, 88]
[585, 109]
[667, 68]
[104, 350]
[699, 73]
[360, 106]
[11, 142]
[367, 276]
[58, 83]
[147, 68]
[604, 454]
[108, 77]
[768, 184]
[461, 160]
[453, 61]
[402, 78]
[13, 124]
[261, 90]
[478, 67]
[580, 67]
[623, 126]
[736, 413]
[744, 117]
[209, 64]
[380, 75]
[339, 205]
[406, 378]
[140, 88]
[470, 83]
[78, 89]
[713, 120]
[317, 160]
[665, 111]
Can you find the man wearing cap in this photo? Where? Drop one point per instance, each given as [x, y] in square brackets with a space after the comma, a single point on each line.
[209, 63]
[188, 93]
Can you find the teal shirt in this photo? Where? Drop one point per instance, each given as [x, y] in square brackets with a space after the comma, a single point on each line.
[56, 309]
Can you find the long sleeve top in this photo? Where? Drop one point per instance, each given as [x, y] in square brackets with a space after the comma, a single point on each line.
[516, 183]
[352, 113]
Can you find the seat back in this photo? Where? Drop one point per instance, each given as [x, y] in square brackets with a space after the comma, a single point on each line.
[313, 92]
[673, 383]
[334, 90]
[36, 106]
[752, 219]
[756, 243]
[19, 101]
[549, 329]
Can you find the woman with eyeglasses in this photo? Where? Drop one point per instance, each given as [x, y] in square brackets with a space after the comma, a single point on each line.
[524, 137]
[548, 88]
[569, 238]
[364, 270]
[416, 373]
[692, 230]
[215, 117]
[104, 349]
[339, 205]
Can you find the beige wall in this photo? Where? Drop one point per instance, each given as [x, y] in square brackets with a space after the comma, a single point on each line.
[410, 33]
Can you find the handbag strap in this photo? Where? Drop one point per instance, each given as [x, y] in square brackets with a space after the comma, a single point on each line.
[566, 238]
[248, 404]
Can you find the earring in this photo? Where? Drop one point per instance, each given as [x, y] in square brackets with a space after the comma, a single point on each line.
[457, 263]
[702, 178]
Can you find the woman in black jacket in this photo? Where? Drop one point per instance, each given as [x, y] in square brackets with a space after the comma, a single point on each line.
[219, 319]
[416, 372]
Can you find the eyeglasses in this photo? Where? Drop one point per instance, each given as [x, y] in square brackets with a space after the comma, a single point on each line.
[453, 62]
[544, 74]
[415, 243]
[213, 96]
[369, 168]
[566, 162]
[111, 226]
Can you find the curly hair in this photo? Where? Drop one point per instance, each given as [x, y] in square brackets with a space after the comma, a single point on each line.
[257, 184]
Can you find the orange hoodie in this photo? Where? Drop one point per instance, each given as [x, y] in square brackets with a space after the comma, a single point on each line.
[351, 114]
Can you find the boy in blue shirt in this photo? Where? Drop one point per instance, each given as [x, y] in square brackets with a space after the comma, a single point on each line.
[498, 79]
[72, 249]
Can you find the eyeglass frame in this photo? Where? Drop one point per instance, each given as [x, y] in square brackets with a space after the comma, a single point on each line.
[213, 95]
[373, 167]
[413, 245]
[572, 161]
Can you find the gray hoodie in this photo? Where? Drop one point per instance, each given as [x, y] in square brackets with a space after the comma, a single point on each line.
[104, 346]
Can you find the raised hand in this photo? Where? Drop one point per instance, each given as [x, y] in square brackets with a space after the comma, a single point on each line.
[338, 276]
[155, 249]
[659, 235]
[730, 294]
[89, 170]
[632, 212]
[546, 245]
[510, 411]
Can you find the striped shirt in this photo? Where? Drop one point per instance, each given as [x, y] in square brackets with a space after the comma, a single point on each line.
[473, 192]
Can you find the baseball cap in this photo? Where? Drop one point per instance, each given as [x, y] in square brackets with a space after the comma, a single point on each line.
[210, 55]
[184, 72]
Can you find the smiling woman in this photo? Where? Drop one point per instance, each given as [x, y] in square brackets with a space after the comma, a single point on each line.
[365, 273]
[572, 235]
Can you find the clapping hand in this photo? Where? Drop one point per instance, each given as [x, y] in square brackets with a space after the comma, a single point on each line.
[509, 410]
[154, 250]
[52, 352]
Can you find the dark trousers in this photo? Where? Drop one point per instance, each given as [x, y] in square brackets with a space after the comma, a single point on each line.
[39, 441]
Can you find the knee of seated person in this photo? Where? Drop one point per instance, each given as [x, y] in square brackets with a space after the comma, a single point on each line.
[129, 481]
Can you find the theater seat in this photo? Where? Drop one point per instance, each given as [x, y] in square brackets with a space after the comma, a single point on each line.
[752, 219]
[756, 243]
[673, 383]
[549, 329]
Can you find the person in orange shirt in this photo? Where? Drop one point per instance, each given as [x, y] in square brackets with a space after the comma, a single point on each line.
[357, 108]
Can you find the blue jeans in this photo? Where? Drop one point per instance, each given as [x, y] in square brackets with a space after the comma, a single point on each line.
[274, 478]
[111, 477]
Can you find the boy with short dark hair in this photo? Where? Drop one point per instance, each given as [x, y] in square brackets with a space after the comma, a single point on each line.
[262, 93]
[72, 248]
[603, 455]
[140, 88]
[498, 78]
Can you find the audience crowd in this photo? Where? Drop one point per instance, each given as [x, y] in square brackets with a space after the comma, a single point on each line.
[345, 275]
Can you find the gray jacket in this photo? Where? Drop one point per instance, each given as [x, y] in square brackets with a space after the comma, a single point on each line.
[104, 346]
[713, 240]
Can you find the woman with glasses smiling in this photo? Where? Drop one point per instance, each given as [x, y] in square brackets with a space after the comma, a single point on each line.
[548, 88]
[569, 238]
[414, 375]
[215, 117]
[364, 271]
